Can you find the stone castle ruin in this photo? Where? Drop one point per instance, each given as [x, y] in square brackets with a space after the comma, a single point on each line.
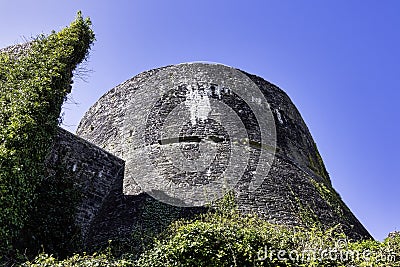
[163, 144]
[167, 142]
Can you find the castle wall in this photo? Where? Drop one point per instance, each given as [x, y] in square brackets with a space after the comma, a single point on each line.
[296, 191]
[105, 213]
[95, 171]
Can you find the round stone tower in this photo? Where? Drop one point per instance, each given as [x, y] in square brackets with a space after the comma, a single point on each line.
[191, 132]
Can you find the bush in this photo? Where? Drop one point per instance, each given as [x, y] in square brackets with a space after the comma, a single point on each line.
[45, 260]
[226, 238]
[229, 239]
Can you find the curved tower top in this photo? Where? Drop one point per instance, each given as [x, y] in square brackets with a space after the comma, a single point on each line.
[191, 132]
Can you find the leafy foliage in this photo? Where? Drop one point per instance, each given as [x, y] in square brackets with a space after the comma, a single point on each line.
[33, 86]
[226, 238]
[45, 260]
[51, 224]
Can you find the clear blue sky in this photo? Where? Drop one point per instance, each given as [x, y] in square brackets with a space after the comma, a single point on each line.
[339, 61]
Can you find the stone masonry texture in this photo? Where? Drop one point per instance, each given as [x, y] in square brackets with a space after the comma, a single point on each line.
[296, 191]
[103, 212]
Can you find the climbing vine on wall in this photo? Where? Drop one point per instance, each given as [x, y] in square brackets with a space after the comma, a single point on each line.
[33, 86]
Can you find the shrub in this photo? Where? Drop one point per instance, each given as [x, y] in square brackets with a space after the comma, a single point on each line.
[226, 238]
[229, 239]
[95, 260]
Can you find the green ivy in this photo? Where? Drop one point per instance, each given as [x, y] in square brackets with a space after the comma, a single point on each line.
[51, 224]
[33, 86]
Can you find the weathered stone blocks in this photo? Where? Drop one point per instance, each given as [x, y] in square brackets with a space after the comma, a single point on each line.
[296, 189]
